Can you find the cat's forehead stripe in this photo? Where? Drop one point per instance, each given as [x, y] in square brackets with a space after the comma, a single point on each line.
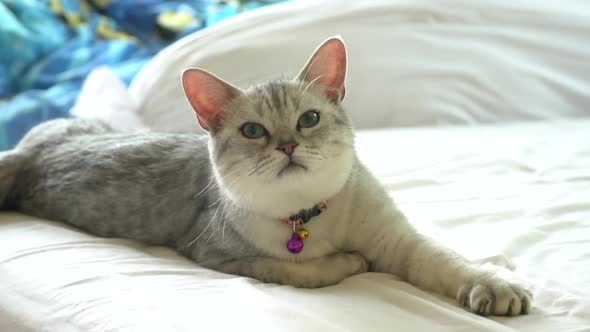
[274, 96]
[285, 100]
[282, 96]
[267, 102]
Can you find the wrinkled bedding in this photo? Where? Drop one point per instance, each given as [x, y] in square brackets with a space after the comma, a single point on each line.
[47, 47]
[519, 190]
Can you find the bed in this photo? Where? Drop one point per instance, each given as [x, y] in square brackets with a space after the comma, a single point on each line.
[485, 105]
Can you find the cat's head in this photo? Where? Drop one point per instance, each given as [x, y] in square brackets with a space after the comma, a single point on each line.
[283, 145]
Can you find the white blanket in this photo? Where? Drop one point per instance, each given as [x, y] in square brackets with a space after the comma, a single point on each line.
[520, 190]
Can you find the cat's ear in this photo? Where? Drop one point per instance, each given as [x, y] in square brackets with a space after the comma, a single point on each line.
[327, 67]
[207, 94]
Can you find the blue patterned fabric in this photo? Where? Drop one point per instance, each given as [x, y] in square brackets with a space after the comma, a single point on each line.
[47, 47]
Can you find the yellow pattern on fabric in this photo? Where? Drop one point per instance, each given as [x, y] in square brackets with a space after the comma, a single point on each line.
[102, 3]
[56, 6]
[74, 20]
[105, 31]
[176, 21]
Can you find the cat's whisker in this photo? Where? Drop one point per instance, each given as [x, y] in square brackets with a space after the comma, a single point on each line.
[307, 71]
[262, 168]
[216, 225]
[224, 178]
[308, 85]
[212, 220]
[301, 83]
[210, 237]
[205, 229]
[310, 155]
[206, 188]
[309, 159]
[258, 167]
[214, 203]
[314, 153]
[213, 184]
[224, 221]
[230, 183]
[270, 166]
[261, 160]
[311, 147]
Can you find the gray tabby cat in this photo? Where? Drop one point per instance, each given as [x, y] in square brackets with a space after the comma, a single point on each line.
[272, 151]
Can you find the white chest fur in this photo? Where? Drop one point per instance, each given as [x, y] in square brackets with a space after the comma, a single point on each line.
[270, 235]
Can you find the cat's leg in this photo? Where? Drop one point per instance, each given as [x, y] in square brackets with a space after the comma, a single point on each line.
[319, 272]
[393, 246]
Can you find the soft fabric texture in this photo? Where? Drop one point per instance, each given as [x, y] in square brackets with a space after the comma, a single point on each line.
[534, 183]
[105, 97]
[411, 62]
[530, 204]
[49, 46]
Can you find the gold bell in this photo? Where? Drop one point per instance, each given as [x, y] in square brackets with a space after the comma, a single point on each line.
[303, 233]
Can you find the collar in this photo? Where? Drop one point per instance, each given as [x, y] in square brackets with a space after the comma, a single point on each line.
[295, 244]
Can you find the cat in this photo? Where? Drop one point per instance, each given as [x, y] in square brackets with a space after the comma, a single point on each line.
[275, 191]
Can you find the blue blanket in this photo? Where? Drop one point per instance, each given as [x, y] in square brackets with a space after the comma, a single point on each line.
[47, 47]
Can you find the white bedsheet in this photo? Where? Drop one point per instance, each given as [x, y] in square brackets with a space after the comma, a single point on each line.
[522, 190]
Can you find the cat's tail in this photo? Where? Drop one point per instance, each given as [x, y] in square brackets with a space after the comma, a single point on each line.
[10, 165]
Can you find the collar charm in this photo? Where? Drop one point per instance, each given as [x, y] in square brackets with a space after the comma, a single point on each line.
[295, 244]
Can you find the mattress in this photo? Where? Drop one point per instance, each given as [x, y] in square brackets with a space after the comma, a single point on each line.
[519, 191]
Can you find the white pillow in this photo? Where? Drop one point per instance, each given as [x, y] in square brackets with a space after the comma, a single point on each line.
[104, 96]
[411, 62]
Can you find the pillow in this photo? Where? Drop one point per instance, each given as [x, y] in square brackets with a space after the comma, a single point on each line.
[411, 62]
[104, 96]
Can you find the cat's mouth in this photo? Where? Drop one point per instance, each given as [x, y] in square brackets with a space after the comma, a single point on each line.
[292, 166]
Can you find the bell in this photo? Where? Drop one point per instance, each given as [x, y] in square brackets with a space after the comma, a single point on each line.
[295, 244]
[303, 233]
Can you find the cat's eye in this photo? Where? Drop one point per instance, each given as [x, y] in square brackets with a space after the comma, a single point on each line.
[253, 130]
[308, 119]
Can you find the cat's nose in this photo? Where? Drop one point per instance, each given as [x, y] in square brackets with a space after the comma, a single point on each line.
[287, 148]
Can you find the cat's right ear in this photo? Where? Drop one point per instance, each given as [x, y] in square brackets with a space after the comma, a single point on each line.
[208, 95]
[327, 68]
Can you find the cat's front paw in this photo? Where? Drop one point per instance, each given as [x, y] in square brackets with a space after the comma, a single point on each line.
[357, 263]
[494, 295]
[330, 270]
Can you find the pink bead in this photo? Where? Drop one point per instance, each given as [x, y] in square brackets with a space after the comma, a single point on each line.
[295, 245]
[295, 222]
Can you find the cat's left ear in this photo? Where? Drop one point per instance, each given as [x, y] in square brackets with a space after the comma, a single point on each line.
[327, 67]
[208, 95]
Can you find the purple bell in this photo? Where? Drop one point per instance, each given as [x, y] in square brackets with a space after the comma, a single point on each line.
[295, 245]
